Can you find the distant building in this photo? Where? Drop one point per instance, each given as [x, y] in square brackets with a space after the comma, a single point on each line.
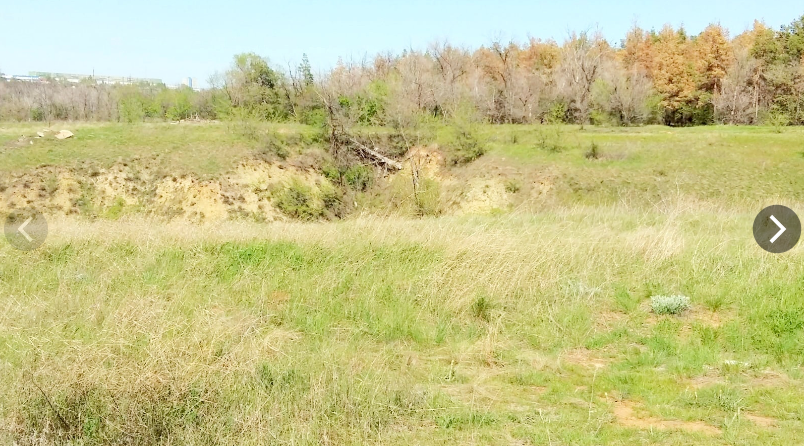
[76, 78]
[21, 78]
[43, 76]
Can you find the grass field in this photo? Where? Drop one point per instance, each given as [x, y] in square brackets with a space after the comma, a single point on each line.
[532, 325]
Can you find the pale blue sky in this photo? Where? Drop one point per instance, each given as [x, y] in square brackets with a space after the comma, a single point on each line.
[171, 40]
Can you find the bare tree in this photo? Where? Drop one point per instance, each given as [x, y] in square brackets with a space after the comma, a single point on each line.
[623, 93]
[735, 102]
[581, 59]
[452, 65]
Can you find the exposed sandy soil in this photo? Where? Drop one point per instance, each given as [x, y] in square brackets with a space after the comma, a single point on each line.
[626, 414]
[140, 186]
[759, 420]
[468, 190]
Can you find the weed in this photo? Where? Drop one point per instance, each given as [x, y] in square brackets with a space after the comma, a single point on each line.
[481, 308]
[512, 185]
[51, 184]
[116, 209]
[625, 300]
[675, 304]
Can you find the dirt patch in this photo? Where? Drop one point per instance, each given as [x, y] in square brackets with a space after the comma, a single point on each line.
[770, 378]
[705, 317]
[123, 183]
[708, 380]
[483, 195]
[584, 357]
[760, 420]
[428, 161]
[609, 320]
[51, 188]
[198, 200]
[626, 414]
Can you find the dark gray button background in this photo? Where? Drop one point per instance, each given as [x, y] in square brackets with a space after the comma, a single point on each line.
[765, 229]
[36, 229]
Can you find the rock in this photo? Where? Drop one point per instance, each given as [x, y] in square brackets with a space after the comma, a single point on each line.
[64, 134]
[40, 134]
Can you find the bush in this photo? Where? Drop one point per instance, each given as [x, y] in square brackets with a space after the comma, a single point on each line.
[550, 139]
[274, 144]
[557, 114]
[593, 153]
[331, 172]
[296, 200]
[333, 199]
[676, 304]
[428, 198]
[359, 177]
[778, 121]
[466, 145]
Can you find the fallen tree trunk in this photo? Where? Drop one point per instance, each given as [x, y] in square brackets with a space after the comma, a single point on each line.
[377, 156]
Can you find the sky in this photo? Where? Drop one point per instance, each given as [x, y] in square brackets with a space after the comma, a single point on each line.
[171, 40]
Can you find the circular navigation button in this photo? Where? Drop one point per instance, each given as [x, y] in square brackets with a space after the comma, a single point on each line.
[777, 229]
[25, 229]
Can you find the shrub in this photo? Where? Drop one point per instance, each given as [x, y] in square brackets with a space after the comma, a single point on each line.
[466, 145]
[274, 144]
[549, 139]
[557, 114]
[333, 199]
[778, 121]
[676, 304]
[358, 177]
[428, 198]
[296, 200]
[331, 172]
[593, 153]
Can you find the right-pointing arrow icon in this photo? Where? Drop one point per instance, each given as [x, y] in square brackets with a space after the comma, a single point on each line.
[777, 229]
[781, 229]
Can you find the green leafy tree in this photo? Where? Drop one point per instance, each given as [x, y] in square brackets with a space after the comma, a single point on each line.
[257, 89]
[306, 71]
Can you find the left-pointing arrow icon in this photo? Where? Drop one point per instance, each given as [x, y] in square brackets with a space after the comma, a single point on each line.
[21, 229]
[781, 229]
[25, 229]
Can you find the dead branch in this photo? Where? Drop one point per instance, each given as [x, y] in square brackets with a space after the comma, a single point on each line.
[377, 156]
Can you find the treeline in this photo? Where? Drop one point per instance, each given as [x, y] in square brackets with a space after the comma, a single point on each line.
[663, 77]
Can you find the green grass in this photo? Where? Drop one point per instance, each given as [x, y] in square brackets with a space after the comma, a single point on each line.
[455, 330]
[716, 163]
[207, 149]
[530, 326]
[640, 166]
